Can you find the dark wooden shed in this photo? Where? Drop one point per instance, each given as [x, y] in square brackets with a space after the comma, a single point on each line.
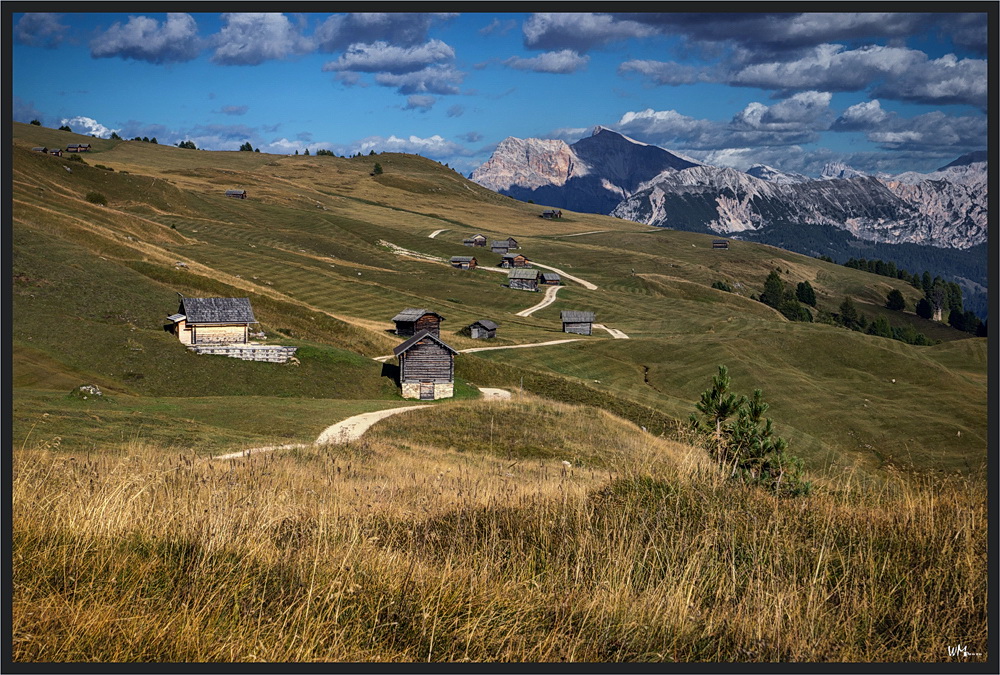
[720, 243]
[512, 243]
[483, 329]
[426, 367]
[514, 260]
[523, 279]
[499, 246]
[412, 321]
[237, 194]
[475, 240]
[550, 279]
[464, 262]
[578, 322]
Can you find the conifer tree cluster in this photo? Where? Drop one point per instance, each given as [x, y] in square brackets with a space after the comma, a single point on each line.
[787, 301]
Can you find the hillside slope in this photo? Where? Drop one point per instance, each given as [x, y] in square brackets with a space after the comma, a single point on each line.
[311, 248]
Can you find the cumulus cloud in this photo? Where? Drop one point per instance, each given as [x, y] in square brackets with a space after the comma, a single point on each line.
[234, 109]
[87, 126]
[580, 31]
[861, 117]
[943, 80]
[431, 80]
[385, 58]
[398, 28]
[563, 62]
[419, 102]
[145, 39]
[933, 131]
[662, 72]
[805, 110]
[249, 39]
[663, 126]
[434, 146]
[40, 29]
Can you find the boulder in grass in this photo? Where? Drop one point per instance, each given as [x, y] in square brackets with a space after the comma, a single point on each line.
[86, 391]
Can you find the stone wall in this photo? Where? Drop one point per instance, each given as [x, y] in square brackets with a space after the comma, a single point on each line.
[247, 352]
[441, 390]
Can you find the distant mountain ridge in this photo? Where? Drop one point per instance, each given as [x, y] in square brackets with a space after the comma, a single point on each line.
[610, 173]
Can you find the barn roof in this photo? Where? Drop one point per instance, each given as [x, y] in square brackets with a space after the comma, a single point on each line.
[575, 316]
[514, 255]
[235, 192]
[500, 244]
[550, 276]
[522, 273]
[217, 310]
[487, 324]
[176, 317]
[411, 314]
[462, 258]
[406, 346]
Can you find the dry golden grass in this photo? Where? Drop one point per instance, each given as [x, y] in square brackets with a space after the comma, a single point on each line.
[377, 552]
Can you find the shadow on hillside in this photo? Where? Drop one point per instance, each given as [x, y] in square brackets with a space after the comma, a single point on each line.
[392, 372]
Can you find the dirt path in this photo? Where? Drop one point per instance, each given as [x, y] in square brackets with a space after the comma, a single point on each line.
[577, 234]
[585, 284]
[491, 394]
[615, 333]
[437, 232]
[530, 344]
[550, 297]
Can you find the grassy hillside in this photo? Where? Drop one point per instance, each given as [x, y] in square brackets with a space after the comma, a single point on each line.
[93, 284]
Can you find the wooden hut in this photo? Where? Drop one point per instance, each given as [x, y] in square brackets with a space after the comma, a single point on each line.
[523, 279]
[550, 279]
[412, 321]
[551, 213]
[78, 147]
[426, 367]
[512, 243]
[484, 329]
[56, 151]
[574, 321]
[720, 243]
[499, 246]
[514, 260]
[463, 262]
[212, 321]
[475, 240]
[237, 194]
[40, 149]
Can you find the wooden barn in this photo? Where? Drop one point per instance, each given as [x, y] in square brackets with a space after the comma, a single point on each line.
[43, 150]
[512, 243]
[412, 321]
[514, 260]
[574, 321]
[78, 147]
[550, 279]
[200, 321]
[499, 246]
[550, 214]
[523, 279]
[426, 367]
[720, 243]
[463, 262]
[484, 329]
[475, 240]
[237, 194]
[56, 151]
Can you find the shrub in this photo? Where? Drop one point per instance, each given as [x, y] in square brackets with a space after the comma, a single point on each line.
[36, 123]
[74, 158]
[64, 128]
[722, 286]
[378, 169]
[97, 198]
[101, 166]
[895, 300]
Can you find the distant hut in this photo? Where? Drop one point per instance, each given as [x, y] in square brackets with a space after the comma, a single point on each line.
[40, 149]
[523, 279]
[56, 151]
[426, 367]
[550, 279]
[574, 321]
[475, 240]
[78, 147]
[551, 213]
[237, 194]
[720, 243]
[499, 246]
[464, 262]
[212, 321]
[512, 243]
[484, 329]
[412, 321]
[514, 260]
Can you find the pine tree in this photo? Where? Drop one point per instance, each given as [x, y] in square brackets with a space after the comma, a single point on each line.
[895, 300]
[849, 316]
[774, 290]
[805, 293]
[36, 123]
[924, 309]
[378, 169]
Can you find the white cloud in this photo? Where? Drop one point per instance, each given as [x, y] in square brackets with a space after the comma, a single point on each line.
[87, 126]
[40, 29]
[431, 80]
[419, 102]
[383, 57]
[580, 31]
[144, 39]
[562, 62]
[249, 39]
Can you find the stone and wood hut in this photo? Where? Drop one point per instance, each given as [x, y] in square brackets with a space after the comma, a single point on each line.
[484, 329]
[499, 246]
[550, 279]
[78, 147]
[578, 322]
[475, 240]
[412, 321]
[464, 262]
[514, 260]
[720, 243]
[237, 194]
[523, 279]
[201, 321]
[512, 243]
[426, 367]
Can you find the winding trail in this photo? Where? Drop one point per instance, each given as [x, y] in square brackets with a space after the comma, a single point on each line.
[550, 297]
[354, 427]
[437, 232]
[615, 333]
[577, 234]
[530, 344]
[585, 284]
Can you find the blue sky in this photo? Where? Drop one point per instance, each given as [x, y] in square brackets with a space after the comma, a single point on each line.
[878, 91]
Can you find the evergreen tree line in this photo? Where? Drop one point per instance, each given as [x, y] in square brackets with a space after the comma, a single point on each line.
[791, 303]
[849, 317]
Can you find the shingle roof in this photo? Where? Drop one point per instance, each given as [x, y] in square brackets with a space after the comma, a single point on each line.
[522, 273]
[405, 346]
[575, 316]
[487, 324]
[500, 244]
[176, 317]
[550, 276]
[411, 314]
[462, 258]
[235, 192]
[217, 310]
